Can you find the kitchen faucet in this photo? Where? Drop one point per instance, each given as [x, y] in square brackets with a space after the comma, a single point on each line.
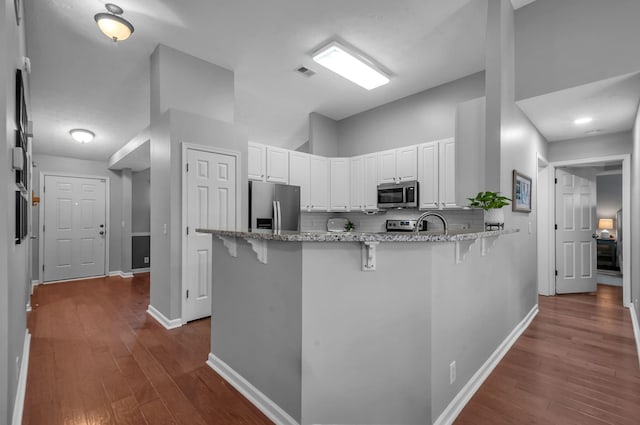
[428, 214]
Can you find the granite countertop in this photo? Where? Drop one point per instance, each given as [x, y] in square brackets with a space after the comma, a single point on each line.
[429, 236]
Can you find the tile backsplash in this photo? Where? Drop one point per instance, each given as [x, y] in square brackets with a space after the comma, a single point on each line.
[458, 219]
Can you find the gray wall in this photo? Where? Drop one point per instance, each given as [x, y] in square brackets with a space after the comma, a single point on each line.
[609, 196]
[15, 270]
[557, 43]
[635, 216]
[591, 147]
[366, 335]
[141, 203]
[59, 164]
[203, 98]
[422, 117]
[323, 135]
[257, 311]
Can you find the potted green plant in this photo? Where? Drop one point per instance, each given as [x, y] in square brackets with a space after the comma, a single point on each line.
[491, 203]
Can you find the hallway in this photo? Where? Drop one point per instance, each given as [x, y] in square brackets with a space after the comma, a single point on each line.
[576, 364]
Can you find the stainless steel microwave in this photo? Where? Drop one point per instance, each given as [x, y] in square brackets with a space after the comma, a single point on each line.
[398, 195]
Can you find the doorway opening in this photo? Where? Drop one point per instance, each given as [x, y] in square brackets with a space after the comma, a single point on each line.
[617, 165]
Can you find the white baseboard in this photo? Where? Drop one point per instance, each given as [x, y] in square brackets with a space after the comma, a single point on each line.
[18, 406]
[162, 319]
[251, 393]
[124, 275]
[636, 328]
[34, 283]
[462, 398]
[28, 306]
[143, 270]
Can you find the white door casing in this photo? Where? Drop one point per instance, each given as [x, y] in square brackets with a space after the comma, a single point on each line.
[211, 203]
[74, 227]
[576, 221]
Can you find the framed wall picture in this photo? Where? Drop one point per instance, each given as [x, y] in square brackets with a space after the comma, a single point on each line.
[521, 192]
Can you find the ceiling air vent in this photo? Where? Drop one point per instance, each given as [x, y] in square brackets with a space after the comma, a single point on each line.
[305, 71]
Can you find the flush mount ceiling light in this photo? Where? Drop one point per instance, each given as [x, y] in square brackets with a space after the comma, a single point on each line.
[353, 67]
[583, 120]
[113, 26]
[81, 135]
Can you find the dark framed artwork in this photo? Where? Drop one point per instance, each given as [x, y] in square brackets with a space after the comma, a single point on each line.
[22, 121]
[521, 192]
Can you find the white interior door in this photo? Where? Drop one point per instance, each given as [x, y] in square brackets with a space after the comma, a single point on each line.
[74, 227]
[211, 203]
[575, 233]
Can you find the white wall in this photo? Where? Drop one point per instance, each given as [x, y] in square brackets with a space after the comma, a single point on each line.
[59, 164]
[422, 117]
[591, 147]
[567, 43]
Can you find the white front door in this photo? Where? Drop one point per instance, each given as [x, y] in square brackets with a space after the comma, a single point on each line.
[211, 203]
[575, 233]
[74, 227]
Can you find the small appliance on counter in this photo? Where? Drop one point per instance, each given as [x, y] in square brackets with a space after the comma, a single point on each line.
[404, 225]
[337, 225]
[274, 206]
[398, 195]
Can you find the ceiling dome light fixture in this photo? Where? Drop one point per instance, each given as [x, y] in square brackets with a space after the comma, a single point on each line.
[113, 26]
[583, 120]
[81, 135]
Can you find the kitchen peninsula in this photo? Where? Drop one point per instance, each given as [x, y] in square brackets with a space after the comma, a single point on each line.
[336, 328]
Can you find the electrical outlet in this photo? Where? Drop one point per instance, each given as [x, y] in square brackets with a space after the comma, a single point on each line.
[146, 260]
[452, 372]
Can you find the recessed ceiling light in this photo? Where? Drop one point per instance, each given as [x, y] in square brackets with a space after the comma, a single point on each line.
[583, 120]
[351, 66]
[81, 135]
[113, 26]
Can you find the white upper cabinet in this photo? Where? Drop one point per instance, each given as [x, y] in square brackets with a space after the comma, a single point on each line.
[318, 183]
[387, 166]
[398, 165]
[356, 198]
[299, 175]
[407, 163]
[277, 165]
[436, 174]
[428, 175]
[371, 182]
[364, 182]
[448, 173]
[339, 191]
[256, 159]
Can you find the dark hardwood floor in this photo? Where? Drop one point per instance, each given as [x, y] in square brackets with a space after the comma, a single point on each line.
[576, 364]
[98, 358]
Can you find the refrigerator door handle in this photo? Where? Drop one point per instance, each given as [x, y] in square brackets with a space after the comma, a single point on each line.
[279, 216]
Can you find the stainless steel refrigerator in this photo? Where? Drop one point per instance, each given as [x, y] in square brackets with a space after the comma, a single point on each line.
[274, 206]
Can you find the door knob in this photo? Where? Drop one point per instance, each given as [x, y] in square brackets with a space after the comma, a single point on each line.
[102, 225]
[594, 236]
[101, 233]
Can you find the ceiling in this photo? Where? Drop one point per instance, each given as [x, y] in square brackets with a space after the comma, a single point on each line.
[80, 78]
[612, 103]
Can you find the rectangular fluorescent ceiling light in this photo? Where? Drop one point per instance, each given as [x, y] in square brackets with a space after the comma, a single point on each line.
[339, 60]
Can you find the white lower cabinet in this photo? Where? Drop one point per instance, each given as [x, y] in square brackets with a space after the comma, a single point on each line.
[436, 174]
[340, 189]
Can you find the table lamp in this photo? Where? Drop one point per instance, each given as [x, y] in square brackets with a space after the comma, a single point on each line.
[605, 224]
